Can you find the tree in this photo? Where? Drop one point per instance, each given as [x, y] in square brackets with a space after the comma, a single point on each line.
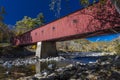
[5, 33]
[40, 20]
[4, 30]
[27, 23]
[2, 13]
[24, 25]
[55, 5]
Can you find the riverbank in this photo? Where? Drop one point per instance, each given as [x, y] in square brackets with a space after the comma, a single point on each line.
[15, 52]
[106, 68]
[17, 58]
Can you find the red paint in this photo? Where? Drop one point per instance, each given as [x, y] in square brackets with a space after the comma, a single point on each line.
[83, 23]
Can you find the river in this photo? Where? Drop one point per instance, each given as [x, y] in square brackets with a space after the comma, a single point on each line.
[13, 69]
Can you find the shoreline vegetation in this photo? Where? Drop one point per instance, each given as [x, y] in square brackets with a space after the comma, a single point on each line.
[79, 45]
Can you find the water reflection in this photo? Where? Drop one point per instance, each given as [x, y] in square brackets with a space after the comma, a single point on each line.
[45, 66]
[50, 66]
[15, 72]
[30, 67]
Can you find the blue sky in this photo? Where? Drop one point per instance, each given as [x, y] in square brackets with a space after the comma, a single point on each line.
[106, 38]
[17, 9]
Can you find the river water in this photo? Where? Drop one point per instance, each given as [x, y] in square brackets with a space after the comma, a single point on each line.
[16, 68]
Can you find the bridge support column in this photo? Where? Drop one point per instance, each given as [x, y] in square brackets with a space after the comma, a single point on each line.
[46, 49]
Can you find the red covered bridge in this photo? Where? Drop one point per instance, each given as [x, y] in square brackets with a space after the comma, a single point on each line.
[84, 23]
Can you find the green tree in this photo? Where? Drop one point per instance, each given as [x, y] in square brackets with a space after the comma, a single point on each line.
[55, 5]
[27, 23]
[2, 13]
[40, 20]
[4, 30]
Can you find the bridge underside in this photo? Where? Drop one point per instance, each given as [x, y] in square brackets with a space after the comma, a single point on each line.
[114, 30]
[84, 23]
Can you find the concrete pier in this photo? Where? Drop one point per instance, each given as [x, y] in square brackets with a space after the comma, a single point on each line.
[46, 49]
